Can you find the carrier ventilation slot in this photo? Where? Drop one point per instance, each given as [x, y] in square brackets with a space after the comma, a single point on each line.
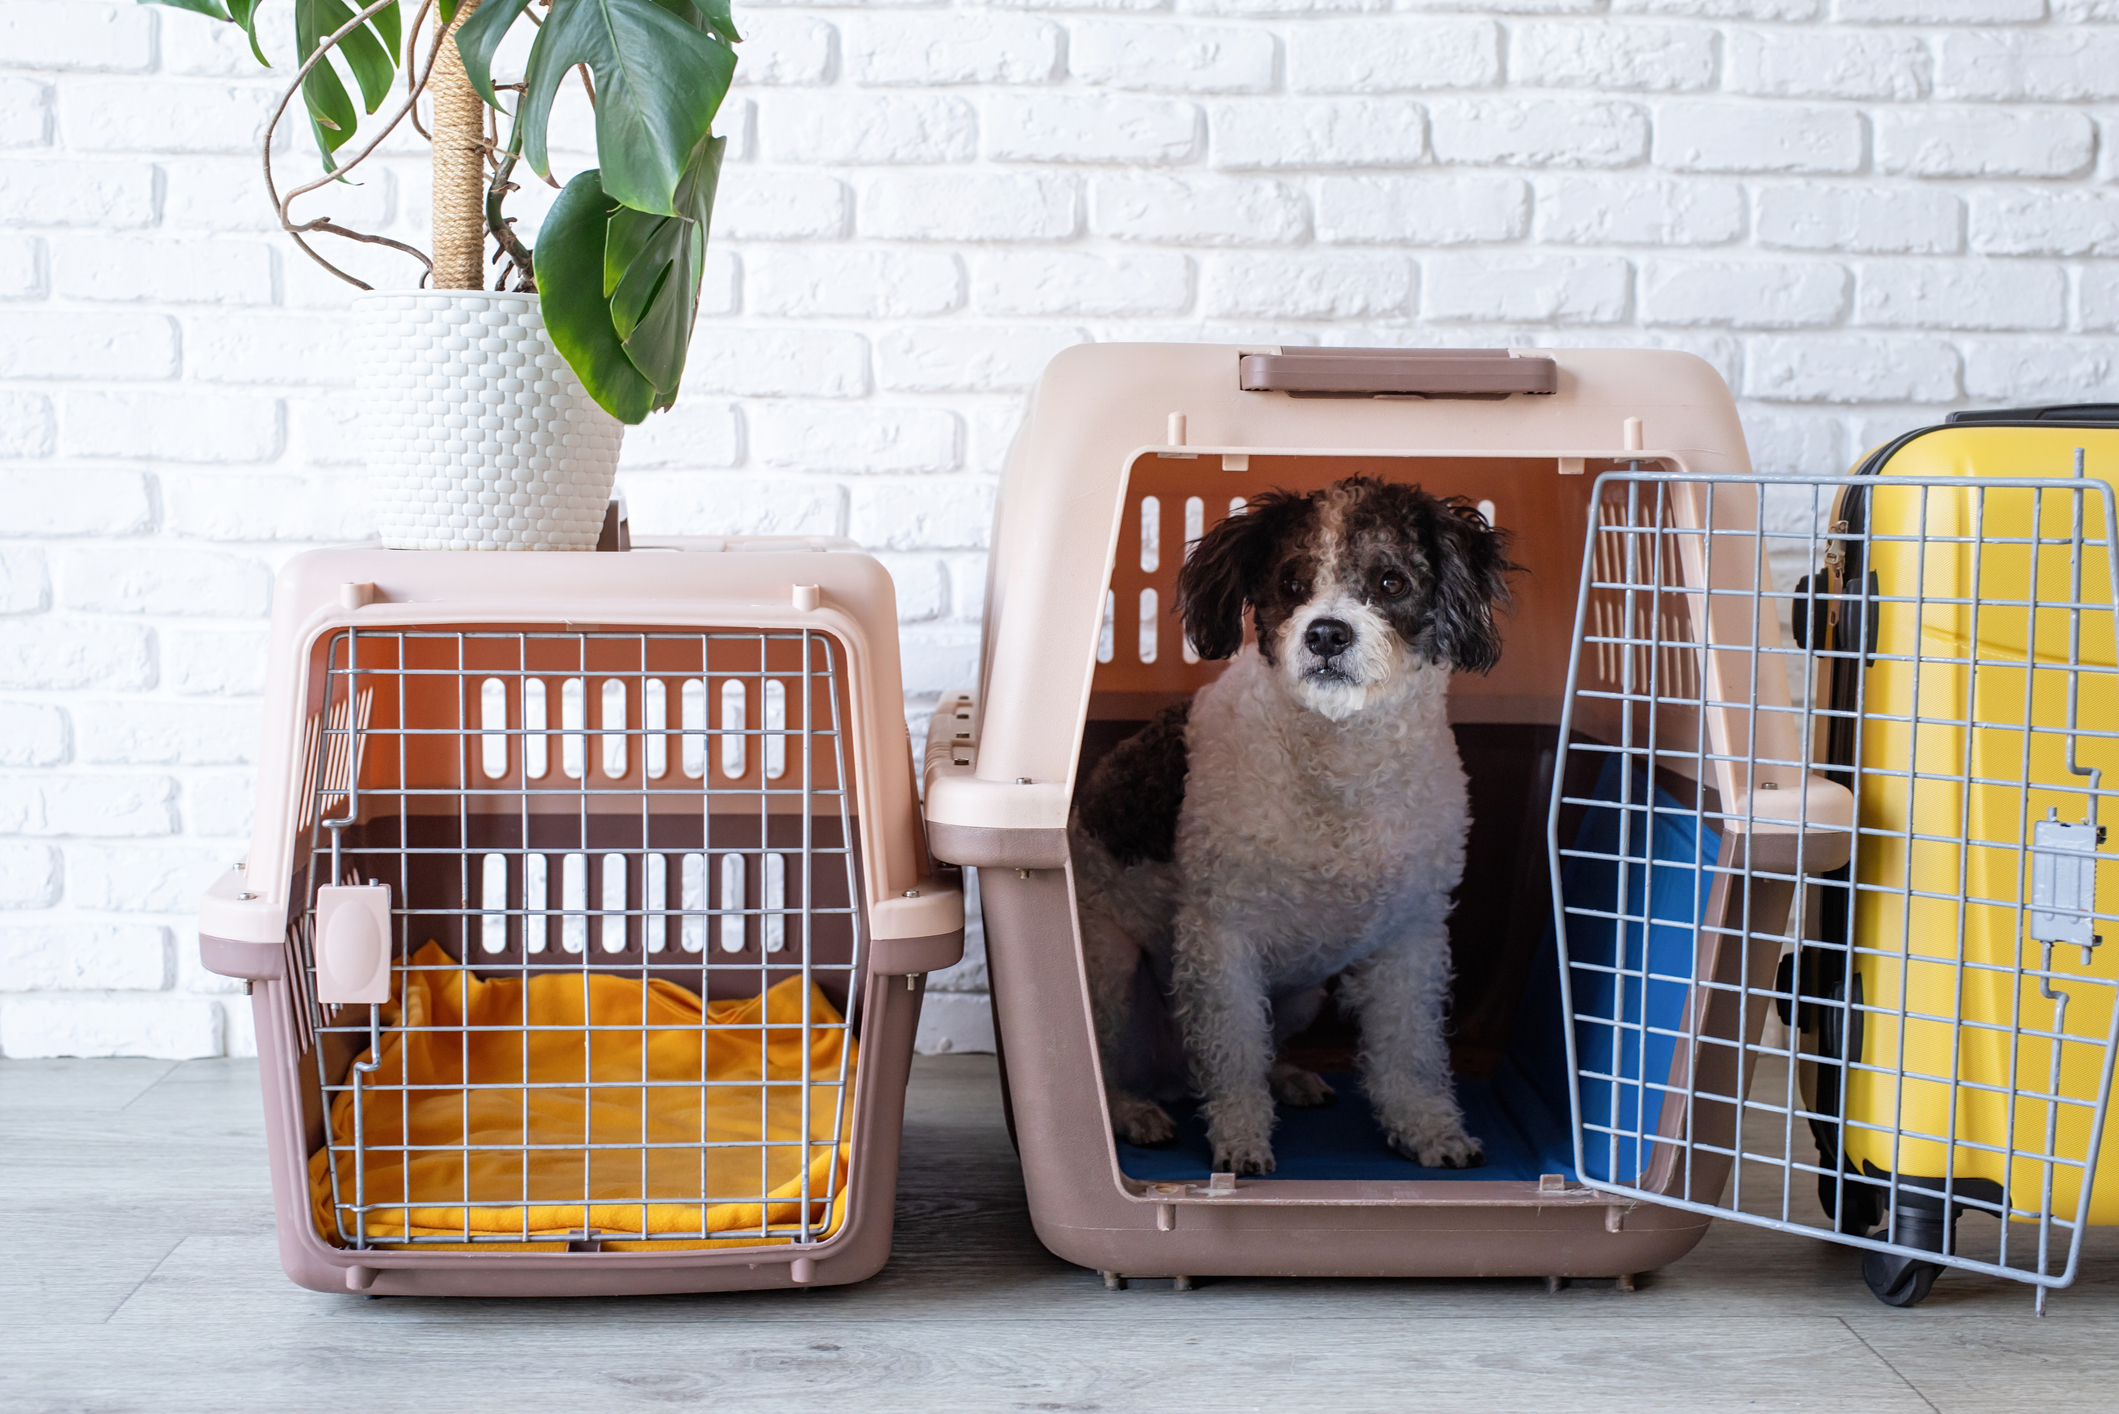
[344, 748]
[614, 758]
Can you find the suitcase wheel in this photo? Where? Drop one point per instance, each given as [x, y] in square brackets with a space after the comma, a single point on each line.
[1899, 1281]
[1906, 1281]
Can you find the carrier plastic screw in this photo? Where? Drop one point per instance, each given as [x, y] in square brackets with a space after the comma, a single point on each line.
[1022, 780]
[912, 893]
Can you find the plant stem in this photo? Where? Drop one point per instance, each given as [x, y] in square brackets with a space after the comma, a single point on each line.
[322, 223]
[511, 245]
[459, 168]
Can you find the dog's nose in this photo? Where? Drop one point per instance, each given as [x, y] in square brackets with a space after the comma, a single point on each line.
[1328, 638]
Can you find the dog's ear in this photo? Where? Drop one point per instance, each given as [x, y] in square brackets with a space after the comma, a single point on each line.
[1471, 569]
[1225, 569]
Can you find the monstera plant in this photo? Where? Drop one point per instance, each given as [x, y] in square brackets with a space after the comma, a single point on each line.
[618, 259]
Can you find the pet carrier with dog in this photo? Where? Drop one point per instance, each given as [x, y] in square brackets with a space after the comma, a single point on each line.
[1688, 825]
[586, 918]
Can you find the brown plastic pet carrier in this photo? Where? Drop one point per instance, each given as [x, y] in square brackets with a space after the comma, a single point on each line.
[587, 915]
[1128, 454]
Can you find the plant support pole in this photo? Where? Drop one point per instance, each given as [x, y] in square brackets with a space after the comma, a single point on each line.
[459, 168]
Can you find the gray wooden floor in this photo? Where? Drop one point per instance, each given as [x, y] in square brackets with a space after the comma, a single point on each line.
[138, 1272]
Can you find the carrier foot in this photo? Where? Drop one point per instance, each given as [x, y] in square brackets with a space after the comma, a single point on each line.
[1113, 1281]
[1185, 1284]
[1625, 1282]
[1555, 1285]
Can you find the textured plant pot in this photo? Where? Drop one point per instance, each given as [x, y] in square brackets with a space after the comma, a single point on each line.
[479, 435]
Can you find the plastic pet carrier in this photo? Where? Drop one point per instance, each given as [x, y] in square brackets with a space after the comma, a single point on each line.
[1955, 987]
[586, 916]
[1635, 846]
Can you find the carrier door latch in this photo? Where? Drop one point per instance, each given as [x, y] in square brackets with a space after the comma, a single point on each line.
[353, 943]
[2064, 882]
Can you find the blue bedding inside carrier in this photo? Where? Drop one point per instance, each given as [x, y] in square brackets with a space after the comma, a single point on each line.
[1521, 1110]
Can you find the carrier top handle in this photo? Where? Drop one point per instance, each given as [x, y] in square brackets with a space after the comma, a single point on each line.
[1367, 373]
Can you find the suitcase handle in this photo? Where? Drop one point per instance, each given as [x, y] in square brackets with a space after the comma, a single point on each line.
[2087, 413]
[1365, 373]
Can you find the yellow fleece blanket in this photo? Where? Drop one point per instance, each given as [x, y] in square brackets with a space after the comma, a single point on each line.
[437, 1084]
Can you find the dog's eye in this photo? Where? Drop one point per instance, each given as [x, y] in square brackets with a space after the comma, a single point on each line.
[1392, 585]
[1294, 588]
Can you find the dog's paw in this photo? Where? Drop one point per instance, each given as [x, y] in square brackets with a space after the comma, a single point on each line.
[1453, 1150]
[1301, 1089]
[1243, 1156]
[1141, 1122]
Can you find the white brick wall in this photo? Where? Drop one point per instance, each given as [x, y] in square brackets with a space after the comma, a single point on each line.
[1863, 211]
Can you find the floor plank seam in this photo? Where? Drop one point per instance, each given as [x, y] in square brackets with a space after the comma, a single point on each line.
[1917, 1392]
[122, 1301]
[171, 1069]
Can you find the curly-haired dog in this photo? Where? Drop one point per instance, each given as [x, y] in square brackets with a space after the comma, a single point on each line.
[1302, 817]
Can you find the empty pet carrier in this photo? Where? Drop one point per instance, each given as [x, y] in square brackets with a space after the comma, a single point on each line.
[586, 917]
[1128, 455]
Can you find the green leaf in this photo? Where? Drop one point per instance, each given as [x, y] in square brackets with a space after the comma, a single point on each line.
[372, 64]
[652, 248]
[708, 16]
[570, 247]
[331, 113]
[480, 37]
[719, 20]
[651, 271]
[389, 28]
[447, 10]
[245, 13]
[332, 116]
[631, 236]
[211, 9]
[658, 84]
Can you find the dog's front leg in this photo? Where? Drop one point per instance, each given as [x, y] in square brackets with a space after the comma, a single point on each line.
[1223, 1011]
[1400, 993]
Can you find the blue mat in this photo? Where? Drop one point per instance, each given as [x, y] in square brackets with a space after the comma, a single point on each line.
[1524, 1138]
[1631, 984]
[1521, 1112]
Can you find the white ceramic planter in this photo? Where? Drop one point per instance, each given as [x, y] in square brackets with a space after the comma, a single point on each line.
[480, 436]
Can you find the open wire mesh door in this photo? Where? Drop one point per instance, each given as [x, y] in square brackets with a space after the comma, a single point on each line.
[1825, 844]
[625, 935]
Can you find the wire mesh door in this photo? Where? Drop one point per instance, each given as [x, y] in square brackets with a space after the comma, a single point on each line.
[1825, 844]
[626, 936]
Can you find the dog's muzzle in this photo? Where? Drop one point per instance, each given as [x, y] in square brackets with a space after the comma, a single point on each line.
[1327, 641]
[1327, 638]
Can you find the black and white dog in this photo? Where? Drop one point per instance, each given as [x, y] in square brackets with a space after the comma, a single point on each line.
[1302, 817]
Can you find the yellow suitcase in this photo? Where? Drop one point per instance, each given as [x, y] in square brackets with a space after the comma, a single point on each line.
[1973, 706]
